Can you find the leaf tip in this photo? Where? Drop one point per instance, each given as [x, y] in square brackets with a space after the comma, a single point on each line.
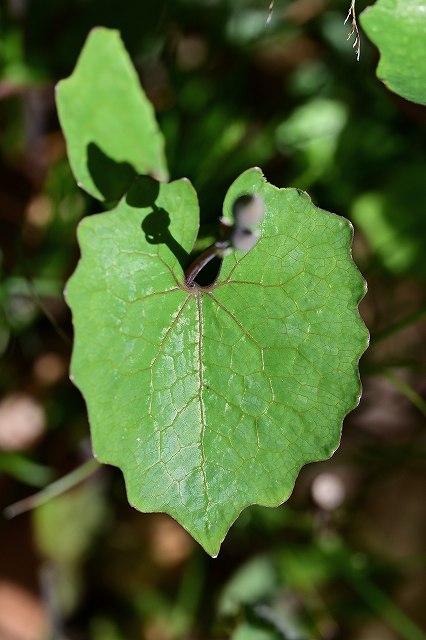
[100, 29]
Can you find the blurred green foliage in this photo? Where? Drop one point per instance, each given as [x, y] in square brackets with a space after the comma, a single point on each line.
[230, 92]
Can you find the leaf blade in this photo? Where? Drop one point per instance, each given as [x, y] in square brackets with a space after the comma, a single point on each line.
[398, 29]
[108, 123]
[212, 399]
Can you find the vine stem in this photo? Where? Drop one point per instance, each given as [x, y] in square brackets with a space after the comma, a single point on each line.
[53, 490]
[399, 326]
[406, 390]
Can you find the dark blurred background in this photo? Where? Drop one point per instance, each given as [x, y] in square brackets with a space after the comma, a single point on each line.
[345, 557]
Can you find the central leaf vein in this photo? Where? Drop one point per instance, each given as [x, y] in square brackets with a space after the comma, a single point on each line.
[199, 303]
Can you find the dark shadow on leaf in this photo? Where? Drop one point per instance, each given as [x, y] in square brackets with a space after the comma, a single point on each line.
[155, 225]
[111, 178]
[144, 193]
[156, 229]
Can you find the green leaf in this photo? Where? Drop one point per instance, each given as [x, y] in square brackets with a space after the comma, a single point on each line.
[108, 122]
[398, 29]
[212, 399]
[78, 515]
[256, 581]
[250, 631]
[393, 220]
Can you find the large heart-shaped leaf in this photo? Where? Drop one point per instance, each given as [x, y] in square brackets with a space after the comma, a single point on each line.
[212, 399]
[108, 122]
[398, 29]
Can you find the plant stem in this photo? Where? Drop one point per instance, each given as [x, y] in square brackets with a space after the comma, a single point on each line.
[53, 490]
[406, 390]
[398, 326]
[214, 251]
[383, 605]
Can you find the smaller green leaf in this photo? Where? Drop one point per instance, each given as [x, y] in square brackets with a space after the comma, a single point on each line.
[108, 122]
[398, 29]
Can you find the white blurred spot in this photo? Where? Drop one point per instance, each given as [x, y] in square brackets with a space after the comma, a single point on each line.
[328, 491]
[22, 422]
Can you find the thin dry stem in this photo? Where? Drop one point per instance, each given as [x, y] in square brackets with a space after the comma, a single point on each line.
[271, 10]
[354, 30]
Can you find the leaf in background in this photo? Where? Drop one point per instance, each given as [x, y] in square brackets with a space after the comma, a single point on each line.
[312, 134]
[212, 399]
[256, 581]
[251, 631]
[65, 528]
[394, 221]
[108, 122]
[398, 29]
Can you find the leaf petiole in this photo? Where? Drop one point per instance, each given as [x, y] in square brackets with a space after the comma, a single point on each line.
[216, 250]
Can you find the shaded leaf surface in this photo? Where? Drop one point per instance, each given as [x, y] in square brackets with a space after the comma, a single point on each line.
[398, 29]
[108, 122]
[212, 399]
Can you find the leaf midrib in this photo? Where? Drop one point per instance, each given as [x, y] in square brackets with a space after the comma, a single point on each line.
[199, 305]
